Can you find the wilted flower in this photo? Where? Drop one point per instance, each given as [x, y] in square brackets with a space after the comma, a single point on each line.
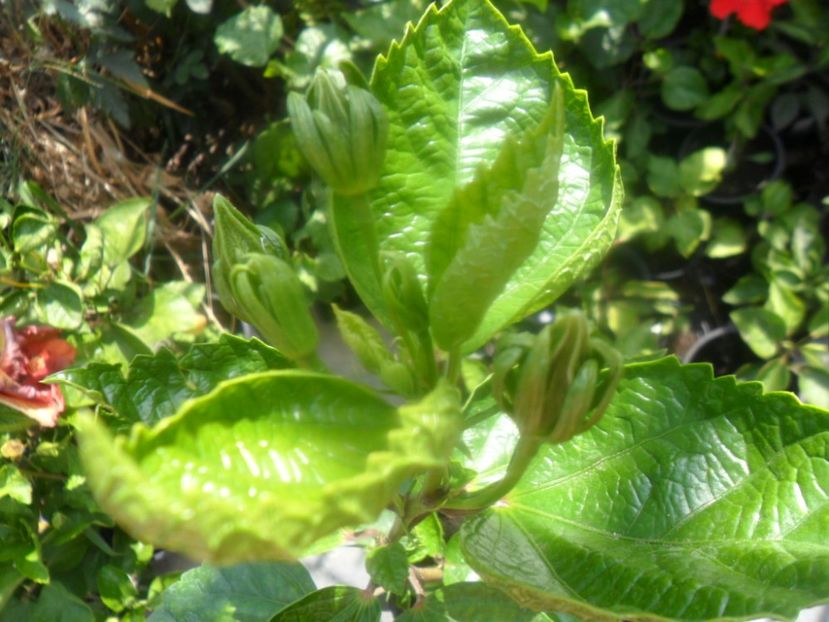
[753, 13]
[28, 356]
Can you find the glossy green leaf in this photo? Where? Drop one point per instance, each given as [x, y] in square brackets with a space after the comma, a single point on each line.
[124, 229]
[58, 604]
[468, 602]
[333, 604]
[472, 256]
[487, 449]
[455, 89]
[304, 451]
[170, 308]
[693, 498]
[250, 37]
[242, 593]
[388, 567]
[761, 329]
[155, 386]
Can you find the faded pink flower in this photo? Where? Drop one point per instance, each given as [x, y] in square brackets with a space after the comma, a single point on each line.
[28, 356]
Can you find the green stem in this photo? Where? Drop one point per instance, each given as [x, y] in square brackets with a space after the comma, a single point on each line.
[453, 366]
[356, 240]
[525, 451]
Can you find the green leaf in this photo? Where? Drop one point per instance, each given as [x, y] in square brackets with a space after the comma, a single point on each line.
[642, 215]
[774, 375]
[487, 449]
[728, 238]
[60, 304]
[468, 602]
[32, 230]
[786, 304]
[813, 383]
[30, 565]
[250, 37]
[689, 227]
[124, 229]
[720, 104]
[155, 386]
[684, 88]
[700, 172]
[164, 7]
[472, 256]
[455, 89]
[389, 567]
[660, 17]
[663, 176]
[115, 588]
[761, 329]
[693, 498]
[748, 289]
[169, 309]
[14, 485]
[262, 450]
[57, 604]
[333, 604]
[242, 593]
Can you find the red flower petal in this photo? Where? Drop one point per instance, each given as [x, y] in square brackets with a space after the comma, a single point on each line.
[755, 14]
[29, 355]
[723, 8]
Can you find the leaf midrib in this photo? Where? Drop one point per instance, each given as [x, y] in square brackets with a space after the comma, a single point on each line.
[675, 544]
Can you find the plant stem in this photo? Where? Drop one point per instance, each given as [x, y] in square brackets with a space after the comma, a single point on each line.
[453, 366]
[525, 451]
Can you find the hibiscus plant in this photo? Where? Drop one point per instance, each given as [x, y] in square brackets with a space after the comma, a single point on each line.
[491, 473]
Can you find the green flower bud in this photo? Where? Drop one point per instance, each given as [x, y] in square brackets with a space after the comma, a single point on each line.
[560, 391]
[270, 296]
[235, 237]
[341, 130]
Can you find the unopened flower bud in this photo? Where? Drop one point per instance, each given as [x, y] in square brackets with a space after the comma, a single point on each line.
[270, 296]
[341, 130]
[235, 237]
[561, 391]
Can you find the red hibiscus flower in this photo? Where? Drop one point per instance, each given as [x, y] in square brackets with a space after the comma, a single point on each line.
[753, 13]
[28, 356]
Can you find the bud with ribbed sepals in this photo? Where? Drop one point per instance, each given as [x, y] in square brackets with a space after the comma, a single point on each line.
[560, 390]
[341, 130]
[234, 238]
[270, 296]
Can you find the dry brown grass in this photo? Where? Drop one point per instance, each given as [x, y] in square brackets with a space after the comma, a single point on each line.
[83, 159]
